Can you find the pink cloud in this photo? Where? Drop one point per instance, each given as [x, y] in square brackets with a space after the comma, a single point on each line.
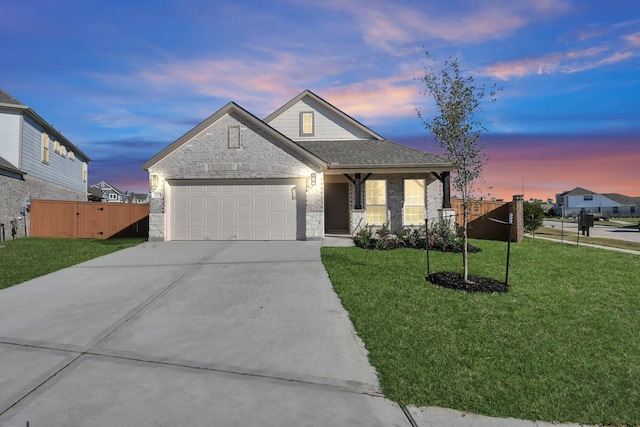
[564, 62]
[389, 26]
[632, 39]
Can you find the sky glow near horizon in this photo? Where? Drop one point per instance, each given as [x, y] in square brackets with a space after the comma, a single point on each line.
[124, 79]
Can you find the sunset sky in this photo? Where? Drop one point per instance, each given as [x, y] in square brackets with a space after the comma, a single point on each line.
[122, 79]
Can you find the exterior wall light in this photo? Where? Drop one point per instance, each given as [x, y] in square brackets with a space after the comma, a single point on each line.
[154, 182]
[313, 179]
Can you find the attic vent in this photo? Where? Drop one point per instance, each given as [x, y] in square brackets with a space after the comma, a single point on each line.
[233, 137]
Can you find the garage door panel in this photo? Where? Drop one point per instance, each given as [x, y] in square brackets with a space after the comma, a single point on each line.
[230, 211]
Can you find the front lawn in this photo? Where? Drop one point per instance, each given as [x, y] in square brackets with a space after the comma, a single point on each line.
[25, 259]
[563, 345]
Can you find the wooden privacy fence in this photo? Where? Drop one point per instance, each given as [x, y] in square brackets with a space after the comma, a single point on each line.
[481, 214]
[88, 220]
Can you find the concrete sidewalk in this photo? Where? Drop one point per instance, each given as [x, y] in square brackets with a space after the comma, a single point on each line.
[193, 334]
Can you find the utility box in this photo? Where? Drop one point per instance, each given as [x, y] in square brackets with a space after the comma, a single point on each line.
[585, 221]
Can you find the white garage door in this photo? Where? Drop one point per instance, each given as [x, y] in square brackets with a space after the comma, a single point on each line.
[228, 211]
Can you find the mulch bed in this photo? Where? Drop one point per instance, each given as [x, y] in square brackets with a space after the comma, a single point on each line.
[455, 281]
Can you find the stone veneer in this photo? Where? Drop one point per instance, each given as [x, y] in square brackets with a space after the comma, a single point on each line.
[15, 193]
[207, 156]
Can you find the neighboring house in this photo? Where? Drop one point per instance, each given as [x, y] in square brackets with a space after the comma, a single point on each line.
[110, 194]
[306, 170]
[137, 199]
[610, 204]
[36, 162]
[105, 192]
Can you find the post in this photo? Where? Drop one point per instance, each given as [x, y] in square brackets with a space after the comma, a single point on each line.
[426, 244]
[562, 229]
[506, 279]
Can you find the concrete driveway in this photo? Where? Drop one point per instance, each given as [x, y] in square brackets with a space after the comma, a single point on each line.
[187, 334]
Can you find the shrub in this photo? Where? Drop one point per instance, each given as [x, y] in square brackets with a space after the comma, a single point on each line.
[444, 236]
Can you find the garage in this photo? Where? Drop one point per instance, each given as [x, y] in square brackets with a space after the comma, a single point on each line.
[263, 210]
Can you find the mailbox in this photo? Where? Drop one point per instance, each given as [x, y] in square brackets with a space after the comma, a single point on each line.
[585, 221]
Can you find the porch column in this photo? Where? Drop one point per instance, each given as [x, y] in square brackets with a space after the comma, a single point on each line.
[446, 190]
[445, 179]
[357, 182]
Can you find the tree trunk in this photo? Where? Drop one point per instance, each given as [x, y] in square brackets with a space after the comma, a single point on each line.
[465, 254]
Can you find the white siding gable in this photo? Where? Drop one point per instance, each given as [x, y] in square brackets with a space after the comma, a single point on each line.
[10, 137]
[328, 126]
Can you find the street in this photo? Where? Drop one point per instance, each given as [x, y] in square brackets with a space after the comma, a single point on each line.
[602, 231]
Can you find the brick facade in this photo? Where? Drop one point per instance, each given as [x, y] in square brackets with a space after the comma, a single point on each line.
[213, 154]
[395, 199]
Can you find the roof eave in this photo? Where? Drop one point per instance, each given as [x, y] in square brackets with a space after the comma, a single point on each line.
[406, 168]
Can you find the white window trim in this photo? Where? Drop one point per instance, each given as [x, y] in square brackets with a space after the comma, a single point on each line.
[386, 202]
[313, 123]
[410, 205]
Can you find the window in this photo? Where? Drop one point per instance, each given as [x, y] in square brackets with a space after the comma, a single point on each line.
[45, 148]
[413, 201]
[56, 146]
[306, 124]
[113, 196]
[233, 137]
[615, 209]
[587, 198]
[72, 155]
[633, 210]
[376, 201]
[84, 171]
[63, 151]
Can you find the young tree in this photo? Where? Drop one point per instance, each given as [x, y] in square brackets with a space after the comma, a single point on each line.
[457, 130]
[533, 216]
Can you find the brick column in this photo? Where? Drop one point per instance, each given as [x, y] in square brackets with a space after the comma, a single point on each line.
[517, 232]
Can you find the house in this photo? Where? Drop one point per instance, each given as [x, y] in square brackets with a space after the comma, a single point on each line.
[610, 204]
[137, 199]
[110, 194]
[36, 162]
[107, 193]
[306, 170]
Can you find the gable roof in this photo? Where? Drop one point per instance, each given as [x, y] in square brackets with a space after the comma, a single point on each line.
[231, 107]
[578, 191]
[9, 169]
[370, 152]
[10, 102]
[308, 94]
[102, 184]
[622, 199]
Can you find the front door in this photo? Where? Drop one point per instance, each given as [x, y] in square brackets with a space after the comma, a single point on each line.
[336, 208]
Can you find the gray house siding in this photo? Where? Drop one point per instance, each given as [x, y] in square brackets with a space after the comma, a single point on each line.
[9, 135]
[327, 125]
[60, 170]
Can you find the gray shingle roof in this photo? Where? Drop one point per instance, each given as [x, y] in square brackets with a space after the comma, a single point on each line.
[7, 166]
[5, 98]
[371, 152]
[622, 199]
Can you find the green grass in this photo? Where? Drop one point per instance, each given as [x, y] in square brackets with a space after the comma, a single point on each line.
[561, 346]
[25, 259]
